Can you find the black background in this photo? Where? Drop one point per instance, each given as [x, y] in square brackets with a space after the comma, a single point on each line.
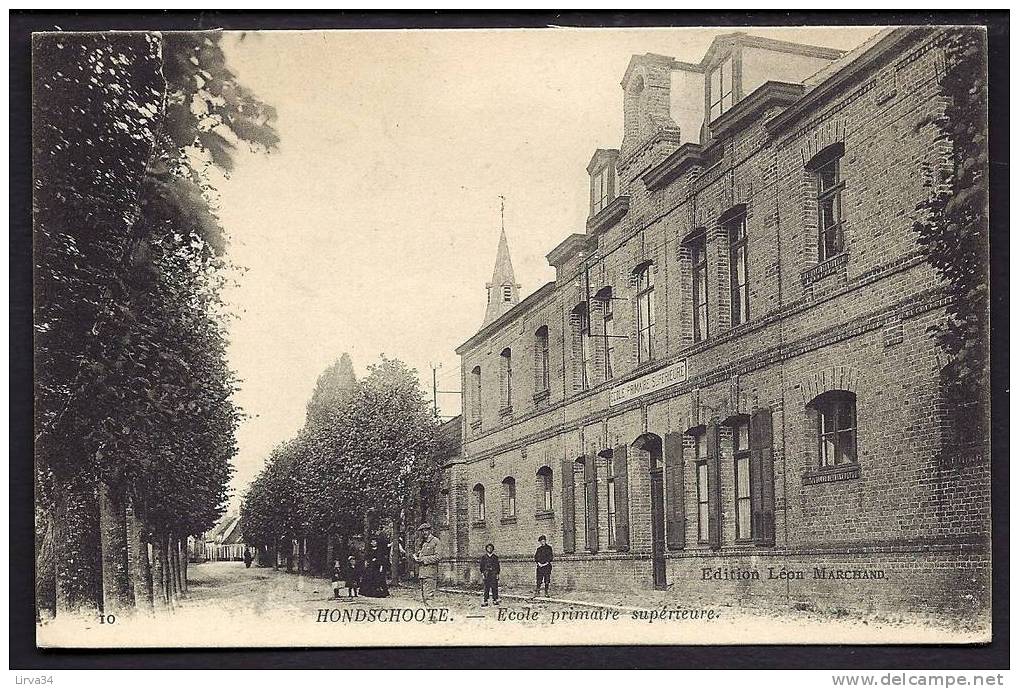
[24, 654]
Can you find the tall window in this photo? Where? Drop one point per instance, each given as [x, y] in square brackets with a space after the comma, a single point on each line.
[610, 501]
[601, 190]
[699, 262]
[446, 505]
[829, 206]
[544, 479]
[507, 292]
[509, 497]
[585, 345]
[836, 428]
[541, 358]
[741, 461]
[739, 284]
[608, 330]
[506, 361]
[720, 88]
[645, 314]
[476, 394]
[479, 502]
[701, 467]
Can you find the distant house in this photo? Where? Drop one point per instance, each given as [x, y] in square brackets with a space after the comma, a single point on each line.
[226, 540]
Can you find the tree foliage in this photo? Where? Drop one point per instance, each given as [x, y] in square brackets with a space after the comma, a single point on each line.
[133, 389]
[952, 222]
[365, 449]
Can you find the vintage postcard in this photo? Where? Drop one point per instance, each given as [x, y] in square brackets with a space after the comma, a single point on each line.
[511, 337]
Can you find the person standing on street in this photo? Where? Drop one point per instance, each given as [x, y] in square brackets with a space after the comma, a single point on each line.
[427, 557]
[490, 573]
[543, 560]
[247, 558]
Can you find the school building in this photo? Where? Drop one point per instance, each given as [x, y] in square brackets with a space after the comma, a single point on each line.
[731, 372]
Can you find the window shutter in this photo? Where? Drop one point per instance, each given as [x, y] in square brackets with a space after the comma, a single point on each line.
[569, 535]
[762, 477]
[622, 498]
[714, 488]
[675, 510]
[591, 486]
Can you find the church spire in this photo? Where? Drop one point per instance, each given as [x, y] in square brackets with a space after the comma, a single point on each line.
[503, 290]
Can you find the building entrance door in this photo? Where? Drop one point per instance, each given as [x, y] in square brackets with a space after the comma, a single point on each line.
[658, 529]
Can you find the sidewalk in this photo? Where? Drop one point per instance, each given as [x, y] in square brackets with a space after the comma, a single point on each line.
[628, 602]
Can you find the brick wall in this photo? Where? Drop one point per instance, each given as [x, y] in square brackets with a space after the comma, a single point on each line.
[856, 322]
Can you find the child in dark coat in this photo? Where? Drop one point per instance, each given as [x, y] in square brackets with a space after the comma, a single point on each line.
[490, 573]
[336, 578]
[353, 577]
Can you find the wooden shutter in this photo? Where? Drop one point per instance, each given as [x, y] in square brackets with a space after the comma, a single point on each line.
[622, 498]
[714, 488]
[675, 510]
[569, 534]
[591, 486]
[762, 477]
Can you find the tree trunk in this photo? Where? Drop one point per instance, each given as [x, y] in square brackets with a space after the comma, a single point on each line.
[276, 555]
[159, 599]
[138, 560]
[184, 566]
[117, 596]
[76, 564]
[171, 556]
[394, 551]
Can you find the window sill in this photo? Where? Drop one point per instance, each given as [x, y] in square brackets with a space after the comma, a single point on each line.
[830, 475]
[476, 425]
[506, 411]
[508, 520]
[478, 524]
[542, 395]
[544, 514]
[825, 268]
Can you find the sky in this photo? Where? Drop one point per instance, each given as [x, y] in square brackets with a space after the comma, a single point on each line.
[373, 229]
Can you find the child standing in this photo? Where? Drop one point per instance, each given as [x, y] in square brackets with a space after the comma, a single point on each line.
[353, 577]
[490, 573]
[336, 578]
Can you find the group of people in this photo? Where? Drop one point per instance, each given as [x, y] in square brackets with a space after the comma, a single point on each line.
[365, 576]
[368, 576]
[490, 569]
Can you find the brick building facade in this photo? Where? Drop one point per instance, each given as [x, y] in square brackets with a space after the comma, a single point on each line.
[731, 373]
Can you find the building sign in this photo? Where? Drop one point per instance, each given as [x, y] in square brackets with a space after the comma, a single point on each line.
[660, 379]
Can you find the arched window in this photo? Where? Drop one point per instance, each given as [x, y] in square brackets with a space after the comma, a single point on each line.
[476, 394]
[544, 483]
[581, 321]
[608, 329]
[698, 248]
[828, 180]
[446, 506]
[509, 497]
[836, 428]
[506, 363]
[478, 493]
[645, 313]
[541, 359]
[743, 480]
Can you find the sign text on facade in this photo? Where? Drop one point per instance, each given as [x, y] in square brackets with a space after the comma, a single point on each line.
[663, 378]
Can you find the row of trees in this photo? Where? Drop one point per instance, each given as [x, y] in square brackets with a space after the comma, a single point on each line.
[363, 462]
[135, 427]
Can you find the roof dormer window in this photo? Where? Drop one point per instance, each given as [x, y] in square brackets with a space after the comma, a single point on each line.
[603, 183]
[720, 88]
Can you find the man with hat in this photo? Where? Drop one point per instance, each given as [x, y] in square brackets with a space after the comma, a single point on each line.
[428, 557]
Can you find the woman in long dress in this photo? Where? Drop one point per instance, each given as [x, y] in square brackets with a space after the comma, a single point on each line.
[373, 583]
